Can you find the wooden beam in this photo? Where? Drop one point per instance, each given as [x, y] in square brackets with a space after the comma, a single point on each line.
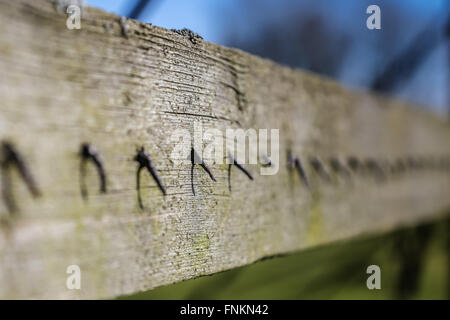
[121, 84]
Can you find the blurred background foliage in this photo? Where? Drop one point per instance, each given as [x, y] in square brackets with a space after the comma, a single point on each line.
[408, 58]
[414, 262]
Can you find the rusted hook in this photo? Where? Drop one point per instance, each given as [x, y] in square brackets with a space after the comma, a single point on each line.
[145, 161]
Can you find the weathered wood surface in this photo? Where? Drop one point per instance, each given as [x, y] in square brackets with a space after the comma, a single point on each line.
[61, 87]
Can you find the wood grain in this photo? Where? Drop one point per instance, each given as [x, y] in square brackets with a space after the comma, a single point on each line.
[60, 88]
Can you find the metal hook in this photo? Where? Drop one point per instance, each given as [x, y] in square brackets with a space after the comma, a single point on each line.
[372, 166]
[196, 159]
[144, 160]
[353, 163]
[317, 165]
[88, 152]
[239, 166]
[12, 158]
[267, 161]
[336, 165]
[294, 163]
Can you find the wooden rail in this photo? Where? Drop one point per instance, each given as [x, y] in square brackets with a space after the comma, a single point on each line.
[371, 163]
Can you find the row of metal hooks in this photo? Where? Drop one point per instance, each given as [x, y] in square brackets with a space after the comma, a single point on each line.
[377, 168]
[10, 157]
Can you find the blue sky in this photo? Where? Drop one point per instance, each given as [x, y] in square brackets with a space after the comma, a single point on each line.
[197, 15]
[207, 17]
